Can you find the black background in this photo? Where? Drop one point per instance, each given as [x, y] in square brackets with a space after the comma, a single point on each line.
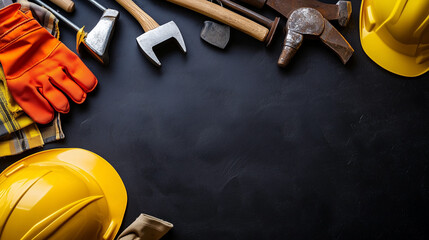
[226, 145]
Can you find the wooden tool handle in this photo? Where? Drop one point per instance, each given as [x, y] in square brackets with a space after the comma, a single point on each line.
[248, 13]
[66, 5]
[143, 18]
[225, 16]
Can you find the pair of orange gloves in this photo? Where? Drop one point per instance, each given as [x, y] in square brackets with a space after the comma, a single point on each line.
[39, 69]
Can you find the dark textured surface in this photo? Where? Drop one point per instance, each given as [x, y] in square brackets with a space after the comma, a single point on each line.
[226, 145]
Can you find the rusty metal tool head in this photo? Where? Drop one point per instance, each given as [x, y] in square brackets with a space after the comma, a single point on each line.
[340, 11]
[310, 22]
[216, 34]
[154, 33]
[98, 39]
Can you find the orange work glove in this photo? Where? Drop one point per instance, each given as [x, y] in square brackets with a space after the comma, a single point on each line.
[37, 66]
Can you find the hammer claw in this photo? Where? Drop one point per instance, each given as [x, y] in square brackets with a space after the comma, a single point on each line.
[151, 38]
[150, 54]
[181, 42]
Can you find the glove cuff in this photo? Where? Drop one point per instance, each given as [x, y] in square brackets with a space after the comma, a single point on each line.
[10, 16]
[155, 223]
[146, 227]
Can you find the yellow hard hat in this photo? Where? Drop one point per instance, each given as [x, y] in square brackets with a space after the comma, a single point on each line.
[66, 194]
[395, 34]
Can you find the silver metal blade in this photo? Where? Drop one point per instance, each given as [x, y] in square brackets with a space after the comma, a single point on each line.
[158, 35]
[98, 39]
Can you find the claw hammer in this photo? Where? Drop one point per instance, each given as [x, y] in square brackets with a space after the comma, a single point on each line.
[154, 33]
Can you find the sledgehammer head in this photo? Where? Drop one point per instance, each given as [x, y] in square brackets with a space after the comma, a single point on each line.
[158, 35]
[98, 39]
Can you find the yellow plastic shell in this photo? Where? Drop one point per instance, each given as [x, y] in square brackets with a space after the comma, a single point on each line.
[66, 194]
[395, 35]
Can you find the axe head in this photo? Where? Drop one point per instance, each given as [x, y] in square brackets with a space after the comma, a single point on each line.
[151, 38]
[216, 34]
[97, 41]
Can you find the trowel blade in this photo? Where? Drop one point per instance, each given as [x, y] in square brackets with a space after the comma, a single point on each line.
[216, 34]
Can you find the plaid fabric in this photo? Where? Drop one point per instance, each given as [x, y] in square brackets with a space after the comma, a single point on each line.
[52, 131]
[19, 141]
[43, 16]
[11, 116]
[18, 132]
[30, 137]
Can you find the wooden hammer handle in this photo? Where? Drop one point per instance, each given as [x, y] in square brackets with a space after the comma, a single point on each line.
[225, 16]
[143, 18]
[66, 5]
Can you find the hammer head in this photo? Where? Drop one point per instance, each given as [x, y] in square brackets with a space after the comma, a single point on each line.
[158, 35]
[98, 39]
[344, 12]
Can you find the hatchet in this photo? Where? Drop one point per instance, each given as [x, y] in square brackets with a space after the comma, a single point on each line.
[226, 16]
[218, 35]
[98, 39]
